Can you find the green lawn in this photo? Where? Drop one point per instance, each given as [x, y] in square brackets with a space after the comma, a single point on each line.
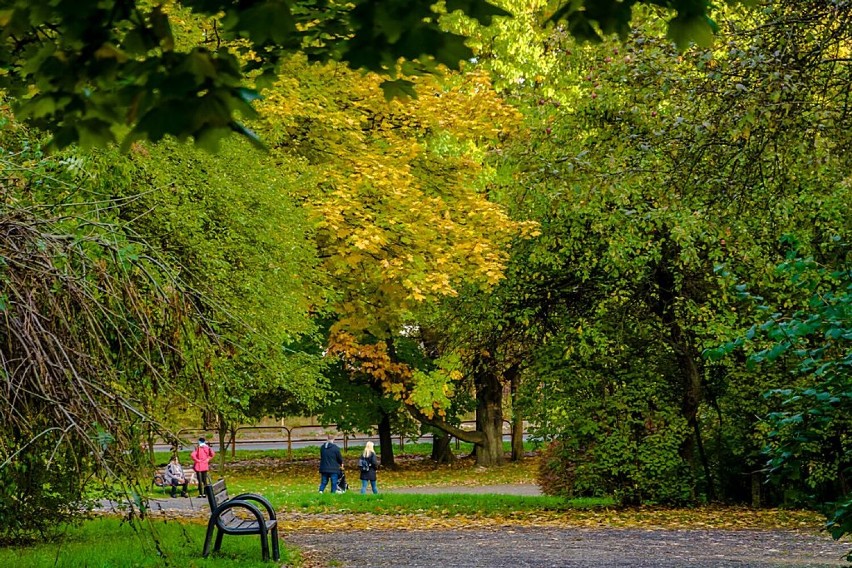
[111, 543]
[291, 485]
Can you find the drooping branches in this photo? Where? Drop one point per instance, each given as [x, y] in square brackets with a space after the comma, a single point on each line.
[86, 326]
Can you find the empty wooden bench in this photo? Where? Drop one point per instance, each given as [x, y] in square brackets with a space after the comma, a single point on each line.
[240, 515]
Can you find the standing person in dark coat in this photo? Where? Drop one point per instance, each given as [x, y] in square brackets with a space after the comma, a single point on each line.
[368, 464]
[331, 462]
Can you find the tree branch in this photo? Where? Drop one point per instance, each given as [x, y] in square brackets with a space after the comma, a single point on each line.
[474, 437]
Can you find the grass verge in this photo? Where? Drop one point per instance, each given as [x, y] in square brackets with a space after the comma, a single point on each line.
[111, 543]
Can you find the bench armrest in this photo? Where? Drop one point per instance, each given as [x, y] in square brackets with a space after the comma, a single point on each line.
[259, 498]
[234, 504]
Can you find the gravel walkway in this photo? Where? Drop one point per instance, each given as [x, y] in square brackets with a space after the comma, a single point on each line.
[545, 547]
[569, 548]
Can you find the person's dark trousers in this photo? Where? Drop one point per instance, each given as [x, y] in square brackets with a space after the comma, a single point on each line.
[203, 481]
[175, 484]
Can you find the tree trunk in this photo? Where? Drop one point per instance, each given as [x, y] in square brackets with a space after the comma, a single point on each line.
[489, 415]
[687, 356]
[517, 417]
[708, 476]
[756, 501]
[441, 452]
[386, 442]
[223, 444]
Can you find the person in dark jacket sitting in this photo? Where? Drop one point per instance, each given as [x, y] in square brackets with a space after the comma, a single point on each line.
[369, 460]
[331, 462]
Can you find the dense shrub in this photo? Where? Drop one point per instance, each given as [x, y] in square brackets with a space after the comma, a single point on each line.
[633, 466]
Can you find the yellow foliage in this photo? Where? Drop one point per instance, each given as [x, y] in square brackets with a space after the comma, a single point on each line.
[372, 360]
[399, 216]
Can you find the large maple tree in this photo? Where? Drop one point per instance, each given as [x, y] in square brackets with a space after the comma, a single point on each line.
[401, 214]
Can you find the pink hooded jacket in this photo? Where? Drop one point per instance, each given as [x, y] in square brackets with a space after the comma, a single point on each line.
[201, 457]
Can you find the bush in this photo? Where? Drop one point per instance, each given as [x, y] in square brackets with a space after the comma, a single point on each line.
[632, 466]
[39, 490]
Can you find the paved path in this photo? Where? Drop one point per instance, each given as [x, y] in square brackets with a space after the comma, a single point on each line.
[546, 547]
[195, 504]
[569, 548]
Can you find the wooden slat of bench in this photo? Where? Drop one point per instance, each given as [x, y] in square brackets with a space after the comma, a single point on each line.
[245, 524]
[220, 496]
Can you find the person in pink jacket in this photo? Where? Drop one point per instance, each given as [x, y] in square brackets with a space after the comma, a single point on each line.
[201, 457]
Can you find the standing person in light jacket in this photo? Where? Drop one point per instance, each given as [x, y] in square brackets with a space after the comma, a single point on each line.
[331, 462]
[368, 464]
[201, 457]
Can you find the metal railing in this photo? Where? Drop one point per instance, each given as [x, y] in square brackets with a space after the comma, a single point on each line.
[290, 435]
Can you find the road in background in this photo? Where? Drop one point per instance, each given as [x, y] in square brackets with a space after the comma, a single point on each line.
[279, 444]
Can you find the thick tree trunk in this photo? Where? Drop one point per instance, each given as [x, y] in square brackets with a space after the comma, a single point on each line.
[488, 436]
[386, 442]
[688, 359]
[489, 415]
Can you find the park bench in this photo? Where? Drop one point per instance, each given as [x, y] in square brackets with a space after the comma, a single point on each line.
[240, 515]
[160, 479]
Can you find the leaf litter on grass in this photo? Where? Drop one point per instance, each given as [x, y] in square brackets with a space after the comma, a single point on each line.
[275, 474]
[718, 518]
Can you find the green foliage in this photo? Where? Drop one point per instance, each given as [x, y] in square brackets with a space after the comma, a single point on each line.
[85, 69]
[89, 321]
[160, 280]
[590, 20]
[645, 169]
[809, 435]
[230, 223]
[40, 488]
[616, 431]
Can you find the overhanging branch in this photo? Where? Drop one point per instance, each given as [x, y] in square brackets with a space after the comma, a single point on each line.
[474, 437]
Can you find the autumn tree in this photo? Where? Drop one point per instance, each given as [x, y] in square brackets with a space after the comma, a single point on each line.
[400, 216]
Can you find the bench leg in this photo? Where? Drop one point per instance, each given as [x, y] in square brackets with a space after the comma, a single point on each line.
[273, 536]
[264, 546]
[210, 526]
[219, 536]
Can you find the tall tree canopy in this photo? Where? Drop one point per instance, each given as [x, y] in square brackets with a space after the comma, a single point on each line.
[397, 197]
[646, 168]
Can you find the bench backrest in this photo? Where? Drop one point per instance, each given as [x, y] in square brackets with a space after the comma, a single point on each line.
[216, 495]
